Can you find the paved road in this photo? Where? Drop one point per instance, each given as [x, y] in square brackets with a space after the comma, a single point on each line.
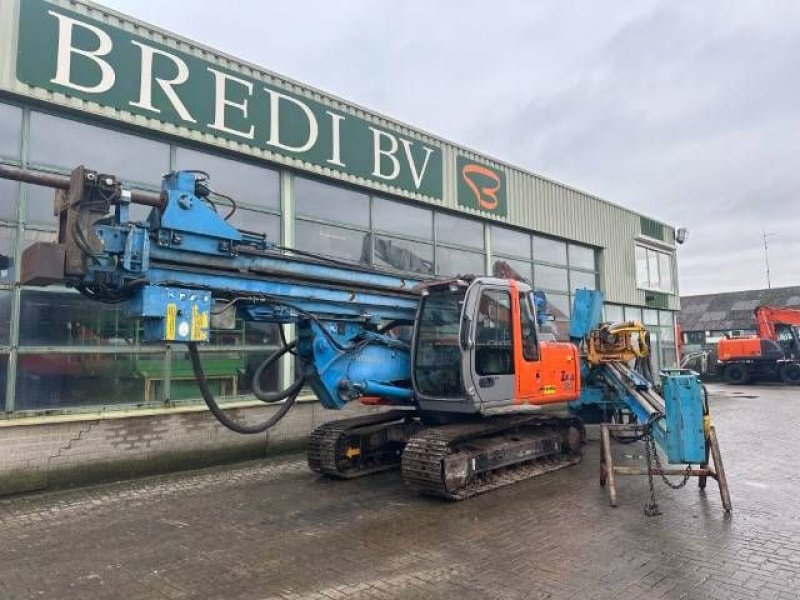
[272, 530]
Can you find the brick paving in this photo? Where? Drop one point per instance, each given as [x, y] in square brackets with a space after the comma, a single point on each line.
[271, 530]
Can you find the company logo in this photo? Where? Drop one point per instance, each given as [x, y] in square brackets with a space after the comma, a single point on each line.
[481, 186]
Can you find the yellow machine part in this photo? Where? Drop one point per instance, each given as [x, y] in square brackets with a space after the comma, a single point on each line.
[617, 342]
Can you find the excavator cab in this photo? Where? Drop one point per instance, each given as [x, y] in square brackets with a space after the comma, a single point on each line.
[477, 350]
[788, 338]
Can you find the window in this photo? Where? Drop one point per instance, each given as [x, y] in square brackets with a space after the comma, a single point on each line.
[650, 316]
[65, 144]
[244, 182]
[581, 257]
[330, 202]
[52, 381]
[522, 268]
[459, 231]
[10, 131]
[493, 334]
[257, 222]
[530, 345]
[333, 241]
[452, 262]
[511, 243]
[549, 251]
[402, 219]
[65, 318]
[8, 238]
[559, 306]
[6, 300]
[9, 199]
[633, 313]
[614, 313]
[403, 255]
[654, 270]
[550, 278]
[581, 280]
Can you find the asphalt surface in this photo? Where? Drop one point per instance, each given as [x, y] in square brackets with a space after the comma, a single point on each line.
[271, 529]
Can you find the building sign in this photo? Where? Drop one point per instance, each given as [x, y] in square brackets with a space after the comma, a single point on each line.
[63, 51]
[481, 186]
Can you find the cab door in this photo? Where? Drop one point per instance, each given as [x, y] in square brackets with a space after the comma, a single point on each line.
[528, 352]
[490, 355]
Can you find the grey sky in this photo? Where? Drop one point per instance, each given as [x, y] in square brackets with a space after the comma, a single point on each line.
[686, 111]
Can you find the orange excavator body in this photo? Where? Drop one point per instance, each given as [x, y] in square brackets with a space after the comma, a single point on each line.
[775, 351]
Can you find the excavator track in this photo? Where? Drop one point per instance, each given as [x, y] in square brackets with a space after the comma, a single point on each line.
[460, 461]
[359, 446]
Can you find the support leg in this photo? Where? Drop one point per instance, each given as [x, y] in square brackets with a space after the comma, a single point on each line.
[720, 471]
[607, 464]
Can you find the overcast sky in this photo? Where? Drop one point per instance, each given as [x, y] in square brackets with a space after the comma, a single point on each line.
[686, 111]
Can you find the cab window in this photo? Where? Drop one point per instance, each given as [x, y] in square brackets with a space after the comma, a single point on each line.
[530, 342]
[493, 334]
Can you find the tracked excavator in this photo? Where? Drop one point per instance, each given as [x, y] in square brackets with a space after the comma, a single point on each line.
[468, 394]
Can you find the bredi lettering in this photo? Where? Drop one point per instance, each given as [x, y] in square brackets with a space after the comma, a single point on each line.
[232, 96]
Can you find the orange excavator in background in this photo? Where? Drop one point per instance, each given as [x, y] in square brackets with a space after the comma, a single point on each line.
[774, 353]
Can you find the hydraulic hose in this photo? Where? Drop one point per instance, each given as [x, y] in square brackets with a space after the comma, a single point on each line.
[220, 415]
[269, 397]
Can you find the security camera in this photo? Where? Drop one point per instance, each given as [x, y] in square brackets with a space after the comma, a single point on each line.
[680, 235]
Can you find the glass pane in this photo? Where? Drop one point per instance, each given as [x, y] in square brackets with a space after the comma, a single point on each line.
[665, 317]
[10, 130]
[459, 231]
[650, 316]
[669, 357]
[257, 222]
[652, 269]
[667, 334]
[403, 255]
[8, 238]
[3, 376]
[642, 280]
[579, 280]
[551, 251]
[332, 241]
[581, 257]
[550, 278]
[229, 374]
[9, 199]
[614, 313]
[510, 242]
[521, 268]
[330, 202]
[633, 313]
[493, 334]
[65, 318]
[6, 300]
[451, 262]
[40, 202]
[32, 236]
[397, 217]
[560, 307]
[655, 353]
[53, 381]
[665, 270]
[530, 343]
[67, 144]
[245, 182]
